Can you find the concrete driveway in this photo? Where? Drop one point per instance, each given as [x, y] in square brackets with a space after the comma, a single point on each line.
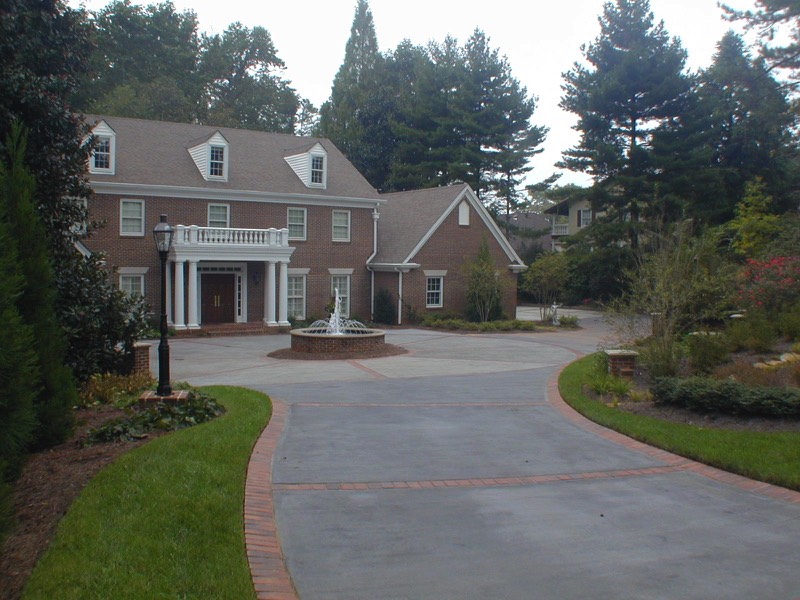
[456, 472]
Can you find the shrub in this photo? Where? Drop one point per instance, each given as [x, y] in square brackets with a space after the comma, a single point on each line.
[385, 311]
[445, 321]
[568, 321]
[111, 388]
[772, 284]
[704, 394]
[707, 350]
[789, 323]
[140, 419]
[754, 332]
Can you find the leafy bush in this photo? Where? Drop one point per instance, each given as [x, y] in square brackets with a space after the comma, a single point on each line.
[789, 323]
[772, 284]
[704, 394]
[601, 382]
[112, 388]
[707, 350]
[568, 321]
[455, 324]
[754, 332]
[141, 419]
[385, 311]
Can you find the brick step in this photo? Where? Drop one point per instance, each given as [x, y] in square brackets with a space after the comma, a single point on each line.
[230, 329]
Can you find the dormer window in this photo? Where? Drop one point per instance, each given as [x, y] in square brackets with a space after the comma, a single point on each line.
[310, 164]
[102, 159]
[216, 163]
[211, 157]
[318, 169]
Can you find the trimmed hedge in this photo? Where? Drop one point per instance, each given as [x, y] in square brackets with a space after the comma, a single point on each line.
[704, 394]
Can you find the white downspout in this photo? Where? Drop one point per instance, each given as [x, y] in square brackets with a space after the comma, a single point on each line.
[375, 216]
[400, 297]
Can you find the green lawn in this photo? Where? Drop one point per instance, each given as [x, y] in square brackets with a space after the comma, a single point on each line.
[770, 457]
[165, 520]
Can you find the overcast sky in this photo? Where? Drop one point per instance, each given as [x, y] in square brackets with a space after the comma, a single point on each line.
[541, 38]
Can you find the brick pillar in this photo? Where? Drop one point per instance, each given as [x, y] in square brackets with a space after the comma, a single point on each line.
[141, 358]
[621, 363]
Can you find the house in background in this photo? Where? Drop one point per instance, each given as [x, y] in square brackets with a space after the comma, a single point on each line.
[568, 217]
[269, 225]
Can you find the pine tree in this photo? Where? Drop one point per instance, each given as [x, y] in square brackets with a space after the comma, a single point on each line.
[632, 85]
[356, 117]
[35, 303]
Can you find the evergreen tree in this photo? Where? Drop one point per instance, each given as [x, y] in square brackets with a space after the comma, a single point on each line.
[778, 25]
[632, 85]
[18, 369]
[44, 53]
[35, 303]
[736, 128]
[357, 115]
[464, 117]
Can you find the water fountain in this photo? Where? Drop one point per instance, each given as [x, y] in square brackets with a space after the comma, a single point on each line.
[337, 335]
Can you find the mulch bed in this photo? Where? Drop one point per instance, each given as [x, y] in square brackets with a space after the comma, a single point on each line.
[49, 482]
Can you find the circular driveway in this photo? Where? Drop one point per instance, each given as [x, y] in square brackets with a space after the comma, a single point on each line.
[454, 472]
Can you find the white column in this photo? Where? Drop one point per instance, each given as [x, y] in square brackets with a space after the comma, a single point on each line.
[180, 323]
[169, 295]
[193, 324]
[283, 301]
[269, 295]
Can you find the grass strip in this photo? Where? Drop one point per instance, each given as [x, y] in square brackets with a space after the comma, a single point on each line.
[770, 457]
[165, 520]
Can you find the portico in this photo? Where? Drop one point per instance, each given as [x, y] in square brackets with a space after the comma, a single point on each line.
[209, 274]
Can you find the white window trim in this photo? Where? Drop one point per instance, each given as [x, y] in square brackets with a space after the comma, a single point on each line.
[227, 213]
[139, 233]
[224, 176]
[303, 277]
[333, 226]
[311, 183]
[133, 273]
[348, 275]
[305, 223]
[440, 278]
[102, 130]
[581, 213]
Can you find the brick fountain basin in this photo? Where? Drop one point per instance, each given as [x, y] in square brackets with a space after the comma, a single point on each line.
[358, 341]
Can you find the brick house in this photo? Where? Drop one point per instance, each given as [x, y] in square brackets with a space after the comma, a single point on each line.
[268, 225]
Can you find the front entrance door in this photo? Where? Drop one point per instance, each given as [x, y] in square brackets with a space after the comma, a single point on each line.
[218, 297]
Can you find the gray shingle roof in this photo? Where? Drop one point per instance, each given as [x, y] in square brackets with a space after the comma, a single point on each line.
[407, 216]
[155, 153]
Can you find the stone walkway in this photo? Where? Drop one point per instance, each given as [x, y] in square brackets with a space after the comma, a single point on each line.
[457, 472]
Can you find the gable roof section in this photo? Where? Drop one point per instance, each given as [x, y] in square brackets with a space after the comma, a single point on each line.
[153, 155]
[409, 219]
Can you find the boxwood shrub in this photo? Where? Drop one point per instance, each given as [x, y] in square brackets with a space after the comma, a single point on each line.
[704, 394]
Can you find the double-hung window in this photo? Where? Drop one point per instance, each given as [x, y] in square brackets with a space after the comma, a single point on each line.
[296, 222]
[318, 170]
[341, 225]
[296, 292]
[133, 285]
[219, 215]
[101, 159]
[341, 283]
[131, 217]
[584, 217]
[434, 287]
[216, 161]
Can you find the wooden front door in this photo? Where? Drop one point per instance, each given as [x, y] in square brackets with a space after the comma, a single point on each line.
[218, 297]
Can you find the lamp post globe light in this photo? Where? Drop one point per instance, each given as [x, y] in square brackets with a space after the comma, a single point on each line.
[162, 234]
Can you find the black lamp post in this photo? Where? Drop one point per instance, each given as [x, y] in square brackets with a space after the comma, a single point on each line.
[162, 233]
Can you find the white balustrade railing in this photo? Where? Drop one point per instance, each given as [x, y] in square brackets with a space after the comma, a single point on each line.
[225, 236]
[560, 229]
